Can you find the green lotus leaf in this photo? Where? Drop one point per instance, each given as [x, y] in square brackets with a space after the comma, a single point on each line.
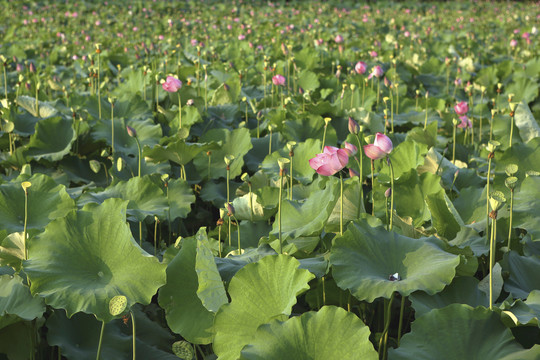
[16, 340]
[230, 265]
[89, 256]
[148, 134]
[15, 299]
[260, 292]
[471, 205]
[330, 333]
[302, 171]
[261, 147]
[457, 332]
[406, 156]
[525, 156]
[12, 250]
[364, 258]
[180, 198]
[132, 107]
[311, 128]
[526, 205]
[47, 201]
[444, 217]
[78, 337]
[308, 80]
[523, 270]
[468, 237]
[523, 312]
[236, 142]
[190, 116]
[462, 290]
[144, 196]
[177, 151]
[524, 88]
[185, 312]
[52, 139]
[28, 103]
[211, 290]
[308, 218]
[248, 207]
[526, 123]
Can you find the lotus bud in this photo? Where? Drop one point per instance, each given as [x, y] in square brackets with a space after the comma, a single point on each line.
[455, 121]
[354, 128]
[388, 192]
[131, 131]
[230, 209]
[245, 177]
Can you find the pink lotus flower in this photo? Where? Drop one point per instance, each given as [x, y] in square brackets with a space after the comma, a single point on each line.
[513, 43]
[172, 84]
[330, 161]
[350, 148]
[381, 147]
[360, 67]
[278, 80]
[338, 39]
[377, 71]
[465, 122]
[461, 108]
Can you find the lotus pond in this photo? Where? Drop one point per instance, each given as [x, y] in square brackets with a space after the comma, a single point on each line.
[266, 180]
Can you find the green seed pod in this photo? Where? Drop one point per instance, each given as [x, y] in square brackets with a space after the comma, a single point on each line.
[117, 305]
[183, 350]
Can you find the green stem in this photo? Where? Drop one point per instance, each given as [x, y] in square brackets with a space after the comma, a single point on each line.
[5, 84]
[491, 261]
[391, 192]
[384, 336]
[378, 90]
[391, 112]
[290, 177]
[250, 202]
[100, 340]
[25, 249]
[425, 120]
[511, 211]
[179, 111]
[323, 291]
[400, 326]
[140, 156]
[361, 170]
[155, 235]
[454, 145]
[487, 197]
[279, 211]
[219, 240]
[134, 334]
[324, 136]
[341, 204]
[372, 189]
[238, 228]
[98, 82]
[481, 115]
[511, 131]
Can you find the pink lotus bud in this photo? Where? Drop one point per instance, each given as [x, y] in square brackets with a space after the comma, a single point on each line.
[354, 128]
[278, 80]
[131, 131]
[461, 108]
[360, 67]
[172, 84]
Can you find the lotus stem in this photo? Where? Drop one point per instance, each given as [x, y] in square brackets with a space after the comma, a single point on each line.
[391, 192]
[372, 189]
[323, 291]
[155, 234]
[491, 260]
[511, 129]
[219, 240]
[279, 210]
[383, 343]
[511, 211]
[112, 130]
[400, 326]
[490, 156]
[341, 204]
[360, 172]
[25, 249]
[250, 201]
[425, 120]
[228, 201]
[134, 334]
[139, 157]
[179, 110]
[391, 112]
[481, 115]
[5, 83]
[378, 90]
[100, 340]
[324, 136]
[98, 83]
[454, 145]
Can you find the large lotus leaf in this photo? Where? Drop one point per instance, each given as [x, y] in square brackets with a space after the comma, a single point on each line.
[28, 103]
[248, 207]
[364, 258]
[47, 200]
[16, 340]
[89, 256]
[229, 266]
[180, 198]
[524, 88]
[523, 272]
[526, 156]
[12, 250]
[144, 196]
[462, 290]
[302, 171]
[260, 292]
[261, 147]
[310, 127]
[457, 332]
[15, 299]
[307, 218]
[444, 217]
[406, 156]
[211, 290]
[526, 205]
[330, 333]
[526, 123]
[52, 139]
[467, 236]
[471, 205]
[78, 337]
[148, 134]
[523, 312]
[236, 142]
[184, 310]
[308, 80]
[190, 116]
[409, 194]
[133, 108]
[179, 151]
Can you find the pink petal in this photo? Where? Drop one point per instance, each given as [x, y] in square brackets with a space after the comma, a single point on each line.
[384, 143]
[326, 170]
[343, 158]
[330, 150]
[373, 152]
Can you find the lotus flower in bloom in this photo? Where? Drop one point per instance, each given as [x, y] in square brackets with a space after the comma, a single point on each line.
[172, 84]
[377, 71]
[350, 148]
[465, 122]
[338, 39]
[278, 80]
[461, 108]
[330, 161]
[513, 43]
[360, 67]
[381, 147]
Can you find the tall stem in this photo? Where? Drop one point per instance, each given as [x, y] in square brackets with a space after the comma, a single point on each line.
[400, 326]
[179, 110]
[112, 131]
[454, 145]
[341, 203]
[25, 249]
[511, 130]
[511, 211]
[290, 177]
[324, 136]
[487, 196]
[133, 329]
[391, 192]
[491, 260]
[98, 84]
[360, 172]
[100, 340]
[372, 189]
[279, 211]
[384, 336]
[5, 84]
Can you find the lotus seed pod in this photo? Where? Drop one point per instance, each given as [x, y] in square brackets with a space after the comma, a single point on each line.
[511, 169]
[120, 164]
[95, 166]
[282, 162]
[511, 182]
[25, 185]
[496, 199]
[229, 159]
[183, 350]
[492, 145]
[117, 305]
